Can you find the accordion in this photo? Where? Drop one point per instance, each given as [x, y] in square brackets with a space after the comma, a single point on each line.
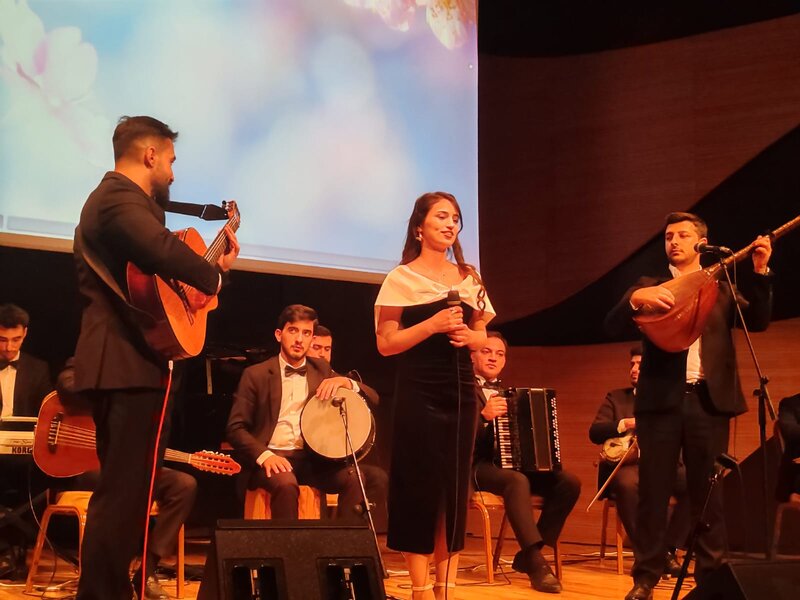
[526, 437]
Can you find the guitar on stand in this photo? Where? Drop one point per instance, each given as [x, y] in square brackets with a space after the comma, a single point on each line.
[177, 330]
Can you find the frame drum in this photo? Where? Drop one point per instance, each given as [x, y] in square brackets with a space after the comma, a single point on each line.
[322, 425]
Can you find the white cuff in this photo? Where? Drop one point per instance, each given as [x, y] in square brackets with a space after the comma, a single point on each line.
[264, 456]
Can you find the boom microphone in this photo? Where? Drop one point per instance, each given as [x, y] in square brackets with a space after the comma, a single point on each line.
[704, 248]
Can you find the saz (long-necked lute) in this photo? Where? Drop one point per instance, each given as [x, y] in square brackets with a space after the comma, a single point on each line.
[64, 443]
[176, 330]
[695, 295]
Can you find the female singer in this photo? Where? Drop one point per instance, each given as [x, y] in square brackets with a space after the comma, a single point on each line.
[432, 311]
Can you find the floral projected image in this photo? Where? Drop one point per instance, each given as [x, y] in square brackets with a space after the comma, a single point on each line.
[323, 119]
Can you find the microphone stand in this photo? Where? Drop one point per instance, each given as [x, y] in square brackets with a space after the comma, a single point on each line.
[764, 404]
[366, 502]
[699, 526]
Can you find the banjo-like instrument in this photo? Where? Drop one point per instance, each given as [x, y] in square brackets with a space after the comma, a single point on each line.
[695, 295]
[322, 425]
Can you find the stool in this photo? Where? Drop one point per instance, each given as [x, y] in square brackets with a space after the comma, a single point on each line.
[482, 502]
[256, 504]
[619, 534]
[792, 504]
[77, 504]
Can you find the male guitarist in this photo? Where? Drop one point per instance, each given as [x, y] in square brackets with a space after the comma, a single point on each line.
[125, 382]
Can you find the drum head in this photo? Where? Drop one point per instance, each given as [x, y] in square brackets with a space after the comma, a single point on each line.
[323, 429]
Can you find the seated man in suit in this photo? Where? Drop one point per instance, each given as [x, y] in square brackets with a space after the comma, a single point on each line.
[264, 424]
[322, 347]
[559, 489]
[615, 419]
[24, 382]
[24, 379]
[789, 427]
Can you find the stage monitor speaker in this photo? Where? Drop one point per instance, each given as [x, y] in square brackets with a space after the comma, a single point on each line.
[764, 580]
[304, 559]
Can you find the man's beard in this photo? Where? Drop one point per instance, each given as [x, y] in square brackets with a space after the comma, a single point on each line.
[161, 194]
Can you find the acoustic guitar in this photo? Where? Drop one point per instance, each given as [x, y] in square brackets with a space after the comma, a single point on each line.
[64, 443]
[176, 330]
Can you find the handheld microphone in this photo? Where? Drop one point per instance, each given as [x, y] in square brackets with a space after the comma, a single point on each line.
[453, 299]
[704, 248]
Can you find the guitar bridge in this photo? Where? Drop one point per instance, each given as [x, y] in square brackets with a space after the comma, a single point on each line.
[53, 430]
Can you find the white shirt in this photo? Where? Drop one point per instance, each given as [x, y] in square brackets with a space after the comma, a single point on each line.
[8, 379]
[694, 368]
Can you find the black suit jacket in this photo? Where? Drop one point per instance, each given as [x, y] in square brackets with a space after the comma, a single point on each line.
[617, 405]
[257, 405]
[662, 378]
[122, 224]
[789, 426]
[31, 385]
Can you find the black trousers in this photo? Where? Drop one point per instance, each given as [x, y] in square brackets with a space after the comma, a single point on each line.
[701, 433]
[624, 488]
[174, 493]
[328, 476]
[560, 490]
[127, 424]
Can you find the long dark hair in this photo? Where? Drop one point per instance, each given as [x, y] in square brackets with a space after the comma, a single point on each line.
[413, 246]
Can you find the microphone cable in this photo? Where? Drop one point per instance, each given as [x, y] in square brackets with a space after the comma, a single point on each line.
[453, 299]
[153, 478]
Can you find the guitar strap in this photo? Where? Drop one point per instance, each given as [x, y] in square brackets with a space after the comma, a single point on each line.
[100, 269]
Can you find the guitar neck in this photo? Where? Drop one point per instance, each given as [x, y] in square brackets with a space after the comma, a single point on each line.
[177, 456]
[780, 231]
[217, 247]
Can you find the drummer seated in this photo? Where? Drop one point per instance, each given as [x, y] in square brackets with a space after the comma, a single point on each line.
[264, 425]
[613, 428]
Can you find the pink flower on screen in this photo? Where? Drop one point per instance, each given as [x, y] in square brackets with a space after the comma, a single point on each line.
[448, 19]
[53, 71]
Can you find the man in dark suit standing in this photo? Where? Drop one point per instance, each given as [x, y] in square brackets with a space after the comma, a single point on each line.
[559, 489]
[615, 419]
[264, 424]
[685, 400]
[24, 379]
[124, 380]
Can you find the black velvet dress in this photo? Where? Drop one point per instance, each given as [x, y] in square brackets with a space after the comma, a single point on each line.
[436, 415]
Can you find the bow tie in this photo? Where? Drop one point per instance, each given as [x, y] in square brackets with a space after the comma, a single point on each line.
[8, 363]
[493, 385]
[290, 370]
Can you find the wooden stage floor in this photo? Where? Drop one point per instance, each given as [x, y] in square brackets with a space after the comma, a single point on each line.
[583, 577]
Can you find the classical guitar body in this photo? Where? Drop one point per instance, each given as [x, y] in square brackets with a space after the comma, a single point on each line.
[64, 443]
[57, 423]
[176, 331]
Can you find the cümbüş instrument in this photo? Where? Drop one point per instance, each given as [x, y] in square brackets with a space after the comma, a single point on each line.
[695, 295]
[616, 449]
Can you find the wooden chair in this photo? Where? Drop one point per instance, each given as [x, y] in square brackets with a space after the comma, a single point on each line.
[76, 504]
[256, 504]
[619, 532]
[482, 502]
[792, 504]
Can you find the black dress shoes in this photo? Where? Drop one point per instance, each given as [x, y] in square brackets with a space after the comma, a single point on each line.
[672, 568]
[539, 572]
[640, 591]
[543, 580]
[152, 589]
